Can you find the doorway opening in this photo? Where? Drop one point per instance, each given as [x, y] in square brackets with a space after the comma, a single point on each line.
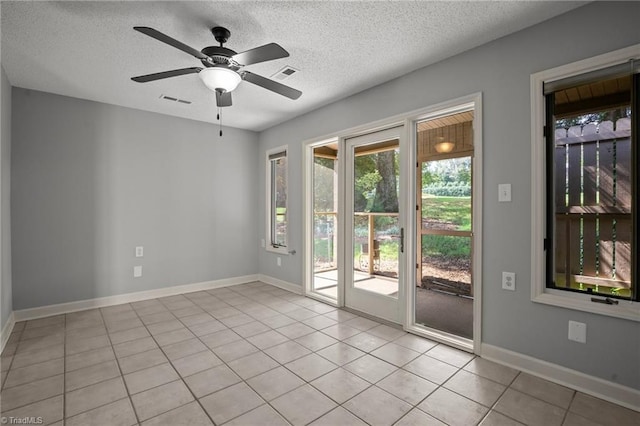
[444, 290]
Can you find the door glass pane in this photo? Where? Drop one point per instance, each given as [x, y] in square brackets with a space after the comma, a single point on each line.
[376, 231]
[325, 229]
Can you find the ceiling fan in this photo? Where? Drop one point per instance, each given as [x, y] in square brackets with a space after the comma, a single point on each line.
[223, 67]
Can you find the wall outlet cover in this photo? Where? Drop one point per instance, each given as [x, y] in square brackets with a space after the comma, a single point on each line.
[578, 331]
[137, 271]
[509, 281]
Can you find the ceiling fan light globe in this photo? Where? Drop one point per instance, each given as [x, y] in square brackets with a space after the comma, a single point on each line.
[222, 79]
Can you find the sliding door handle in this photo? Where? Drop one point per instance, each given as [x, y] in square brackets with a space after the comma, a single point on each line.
[401, 240]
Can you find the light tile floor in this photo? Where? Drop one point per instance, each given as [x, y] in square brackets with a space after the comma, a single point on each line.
[257, 355]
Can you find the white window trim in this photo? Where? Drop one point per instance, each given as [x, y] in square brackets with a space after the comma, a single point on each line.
[539, 292]
[268, 246]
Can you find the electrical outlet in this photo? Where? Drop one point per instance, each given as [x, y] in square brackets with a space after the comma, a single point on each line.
[139, 251]
[578, 331]
[279, 261]
[509, 281]
[263, 243]
[137, 271]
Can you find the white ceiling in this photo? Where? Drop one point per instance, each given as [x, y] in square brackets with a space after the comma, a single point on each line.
[89, 49]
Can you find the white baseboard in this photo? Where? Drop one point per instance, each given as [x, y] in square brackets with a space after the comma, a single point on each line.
[594, 386]
[285, 285]
[100, 302]
[6, 331]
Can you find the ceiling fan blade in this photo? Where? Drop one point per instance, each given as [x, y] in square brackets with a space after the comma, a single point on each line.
[268, 52]
[223, 99]
[165, 74]
[269, 84]
[171, 42]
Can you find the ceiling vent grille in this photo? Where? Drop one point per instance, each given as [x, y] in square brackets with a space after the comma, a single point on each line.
[174, 99]
[285, 73]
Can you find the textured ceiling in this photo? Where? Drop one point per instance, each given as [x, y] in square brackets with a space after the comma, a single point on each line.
[89, 50]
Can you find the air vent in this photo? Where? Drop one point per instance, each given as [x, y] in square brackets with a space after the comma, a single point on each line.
[174, 99]
[285, 73]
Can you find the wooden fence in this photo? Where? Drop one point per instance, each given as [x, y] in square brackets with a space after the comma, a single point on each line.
[593, 204]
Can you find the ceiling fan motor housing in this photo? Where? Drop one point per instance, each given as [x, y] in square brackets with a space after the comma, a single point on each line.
[219, 55]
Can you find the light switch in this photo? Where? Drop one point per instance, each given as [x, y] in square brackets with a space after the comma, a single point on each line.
[504, 192]
[139, 251]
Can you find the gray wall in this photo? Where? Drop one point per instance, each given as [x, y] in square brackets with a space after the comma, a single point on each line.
[501, 71]
[91, 181]
[5, 201]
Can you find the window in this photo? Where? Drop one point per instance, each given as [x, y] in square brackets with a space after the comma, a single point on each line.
[589, 224]
[277, 199]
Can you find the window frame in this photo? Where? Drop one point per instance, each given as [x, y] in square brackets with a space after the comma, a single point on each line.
[269, 245]
[539, 292]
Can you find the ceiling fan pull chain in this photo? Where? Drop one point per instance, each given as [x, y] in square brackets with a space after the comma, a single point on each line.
[220, 119]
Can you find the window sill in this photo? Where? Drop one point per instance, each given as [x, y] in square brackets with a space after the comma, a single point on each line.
[278, 250]
[625, 309]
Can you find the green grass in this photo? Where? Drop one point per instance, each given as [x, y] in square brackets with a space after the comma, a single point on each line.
[453, 210]
[446, 246]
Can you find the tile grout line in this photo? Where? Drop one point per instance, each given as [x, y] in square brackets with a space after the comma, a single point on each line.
[64, 369]
[231, 369]
[338, 366]
[23, 384]
[338, 405]
[506, 388]
[88, 366]
[245, 381]
[573, 398]
[13, 357]
[135, 413]
[168, 361]
[182, 379]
